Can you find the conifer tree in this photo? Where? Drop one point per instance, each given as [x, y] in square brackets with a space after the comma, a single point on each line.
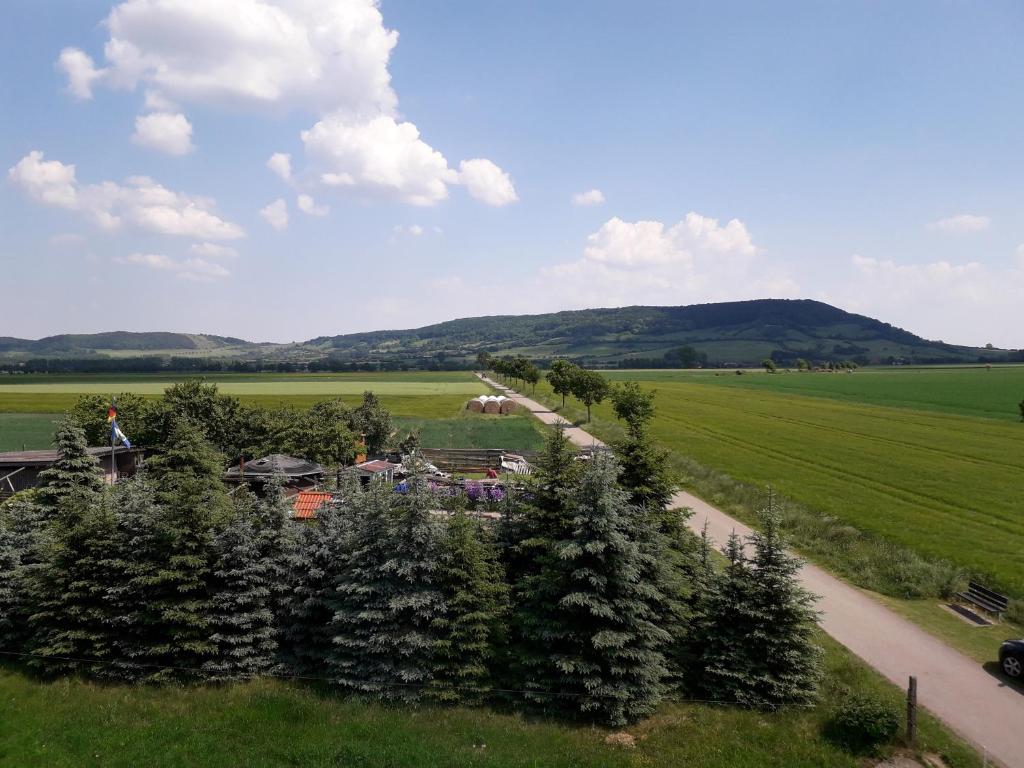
[242, 620]
[74, 475]
[23, 532]
[276, 541]
[388, 600]
[71, 621]
[475, 593]
[588, 620]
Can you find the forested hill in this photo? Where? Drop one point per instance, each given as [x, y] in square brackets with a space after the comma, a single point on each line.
[731, 333]
[737, 333]
[118, 341]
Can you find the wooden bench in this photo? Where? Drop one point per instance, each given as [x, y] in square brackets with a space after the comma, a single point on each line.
[984, 598]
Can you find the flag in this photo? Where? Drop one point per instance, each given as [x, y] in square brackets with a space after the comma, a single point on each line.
[116, 434]
[111, 413]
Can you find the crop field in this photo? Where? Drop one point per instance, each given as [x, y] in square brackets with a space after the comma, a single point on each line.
[945, 485]
[25, 430]
[268, 723]
[517, 433]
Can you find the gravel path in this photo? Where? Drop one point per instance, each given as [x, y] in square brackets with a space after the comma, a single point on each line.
[978, 705]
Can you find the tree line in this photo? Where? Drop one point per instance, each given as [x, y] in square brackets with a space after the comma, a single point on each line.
[587, 599]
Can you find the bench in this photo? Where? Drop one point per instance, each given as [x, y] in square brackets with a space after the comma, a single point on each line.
[984, 598]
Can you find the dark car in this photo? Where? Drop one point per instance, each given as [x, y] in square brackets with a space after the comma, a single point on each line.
[1011, 658]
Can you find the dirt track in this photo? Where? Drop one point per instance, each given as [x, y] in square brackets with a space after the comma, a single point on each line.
[978, 705]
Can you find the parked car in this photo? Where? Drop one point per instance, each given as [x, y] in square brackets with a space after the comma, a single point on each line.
[1011, 658]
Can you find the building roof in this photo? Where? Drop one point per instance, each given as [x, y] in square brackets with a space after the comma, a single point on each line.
[376, 466]
[47, 457]
[307, 503]
[274, 464]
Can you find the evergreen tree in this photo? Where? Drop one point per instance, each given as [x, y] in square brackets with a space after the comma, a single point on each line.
[71, 622]
[242, 620]
[475, 593]
[788, 660]
[74, 475]
[277, 538]
[388, 599]
[699, 573]
[589, 620]
[644, 471]
[170, 574]
[22, 534]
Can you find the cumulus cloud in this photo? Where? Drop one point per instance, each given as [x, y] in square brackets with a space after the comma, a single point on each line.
[962, 223]
[327, 58]
[309, 206]
[281, 164]
[80, 71]
[649, 262]
[164, 132]
[487, 182]
[139, 202]
[193, 269]
[590, 197]
[382, 154]
[213, 250]
[276, 214]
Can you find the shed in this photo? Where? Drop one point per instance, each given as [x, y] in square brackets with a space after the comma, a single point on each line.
[307, 503]
[297, 474]
[19, 470]
[377, 468]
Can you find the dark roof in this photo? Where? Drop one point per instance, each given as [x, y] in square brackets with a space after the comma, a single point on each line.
[275, 464]
[47, 457]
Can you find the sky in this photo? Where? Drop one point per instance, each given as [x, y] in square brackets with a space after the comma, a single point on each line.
[279, 170]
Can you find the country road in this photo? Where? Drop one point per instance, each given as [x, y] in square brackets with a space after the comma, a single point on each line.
[980, 707]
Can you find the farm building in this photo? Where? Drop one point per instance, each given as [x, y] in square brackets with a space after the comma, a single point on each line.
[377, 468]
[297, 474]
[19, 470]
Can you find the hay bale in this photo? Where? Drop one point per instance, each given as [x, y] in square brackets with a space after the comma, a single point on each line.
[507, 406]
[475, 406]
[492, 406]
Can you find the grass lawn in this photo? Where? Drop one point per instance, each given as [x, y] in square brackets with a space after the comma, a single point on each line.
[475, 430]
[273, 723]
[26, 431]
[945, 485]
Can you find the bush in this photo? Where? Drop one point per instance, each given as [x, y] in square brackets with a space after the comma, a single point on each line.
[1015, 612]
[862, 723]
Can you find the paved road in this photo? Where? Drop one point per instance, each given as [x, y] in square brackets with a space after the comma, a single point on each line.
[980, 707]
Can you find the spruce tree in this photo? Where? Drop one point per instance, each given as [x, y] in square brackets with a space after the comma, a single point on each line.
[388, 599]
[71, 621]
[475, 593]
[588, 620]
[788, 661]
[74, 475]
[174, 571]
[276, 541]
[23, 536]
[242, 620]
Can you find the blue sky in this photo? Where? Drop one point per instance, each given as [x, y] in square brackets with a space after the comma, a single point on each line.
[462, 158]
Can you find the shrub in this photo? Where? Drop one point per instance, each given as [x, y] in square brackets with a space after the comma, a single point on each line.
[862, 723]
[1015, 612]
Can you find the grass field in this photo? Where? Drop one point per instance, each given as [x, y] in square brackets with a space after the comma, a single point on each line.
[269, 723]
[26, 430]
[969, 391]
[518, 433]
[945, 485]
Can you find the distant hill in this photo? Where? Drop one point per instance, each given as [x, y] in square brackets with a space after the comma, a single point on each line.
[731, 333]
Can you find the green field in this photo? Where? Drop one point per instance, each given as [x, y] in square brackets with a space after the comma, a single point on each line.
[945, 485]
[20, 431]
[269, 723]
[517, 433]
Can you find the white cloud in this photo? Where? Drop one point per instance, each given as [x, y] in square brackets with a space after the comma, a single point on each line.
[157, 102]
[382, 155]
[308, 205]
[281, 164]
[212, 250]
[291, 55]
[164, 132]
[487, 182]
[139, 202]
[590, 197]
[80, 71]
[962, 223]
[648, 262]
[193, 269]
[276, 214]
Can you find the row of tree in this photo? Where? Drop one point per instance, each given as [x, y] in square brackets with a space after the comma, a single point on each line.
[330, 432]
[587, 599]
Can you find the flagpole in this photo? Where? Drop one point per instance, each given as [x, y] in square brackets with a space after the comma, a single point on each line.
[113, 466]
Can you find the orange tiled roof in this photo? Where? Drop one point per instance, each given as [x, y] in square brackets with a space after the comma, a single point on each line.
[308, 502]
